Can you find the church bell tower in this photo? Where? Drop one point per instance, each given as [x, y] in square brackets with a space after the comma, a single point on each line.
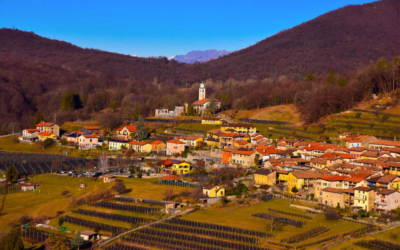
[202, 91]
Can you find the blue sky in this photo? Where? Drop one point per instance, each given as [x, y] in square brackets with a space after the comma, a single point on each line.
[161, 28]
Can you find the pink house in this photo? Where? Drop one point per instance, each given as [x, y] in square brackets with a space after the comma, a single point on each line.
[175, 146]
[88, 141]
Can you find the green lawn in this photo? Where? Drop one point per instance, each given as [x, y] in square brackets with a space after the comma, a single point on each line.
[197, 126]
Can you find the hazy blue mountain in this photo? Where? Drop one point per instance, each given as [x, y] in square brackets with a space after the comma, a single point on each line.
[201, 56]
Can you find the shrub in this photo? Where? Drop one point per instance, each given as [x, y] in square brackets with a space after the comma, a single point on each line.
[60, 221]
[168, 194]
[64, 193]
[139, 175]
[331, 214]
[119, 188]
[25, 219]
[354, 216]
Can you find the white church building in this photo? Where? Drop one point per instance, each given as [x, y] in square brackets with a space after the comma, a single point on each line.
[199, 105]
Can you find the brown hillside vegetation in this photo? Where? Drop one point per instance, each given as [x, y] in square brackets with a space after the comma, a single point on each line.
[39, 74]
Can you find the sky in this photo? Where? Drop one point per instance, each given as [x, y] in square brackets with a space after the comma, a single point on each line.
[161, 28]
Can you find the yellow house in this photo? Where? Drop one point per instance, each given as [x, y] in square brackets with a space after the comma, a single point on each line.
[265, 176]
[282, 176]
[140, 147]
[301, 179]
[242, 128]
[214, 133]
[170, 166]
[213, 191]
[116, 144]
[364, 198]
[211, 121]
[46, 135]
[212, 142]
[192, 141]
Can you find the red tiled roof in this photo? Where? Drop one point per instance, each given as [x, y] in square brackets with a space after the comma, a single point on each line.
[92, 127]
[387, 179]
[138, 143]
[131, 128]
[230, 135]
[171, 178]
[156, 142]
[203, 101]
[175, 141]
[243, 152]
[364, 189]
[386, 143]
[45, 124]
[31, 130]
[45, 133]
[90, 136]
[334, 178]
[306, 174]
[333, 190]
[169, 161]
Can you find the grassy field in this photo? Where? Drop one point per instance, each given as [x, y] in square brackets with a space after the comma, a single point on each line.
[8, 145]
[242, 218]
[49, 200]
[197, 126]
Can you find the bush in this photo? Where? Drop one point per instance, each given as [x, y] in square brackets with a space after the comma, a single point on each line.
[64, 193]
[354, 216]
[119, 188]
[24, 219]
[139, 175]
[331, 214]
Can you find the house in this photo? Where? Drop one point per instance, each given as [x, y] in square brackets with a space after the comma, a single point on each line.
[29, 135]
[242, 144]
[27, 187]
[170, 166]
[72, 138]
[243, 157]
[47, 135]
[126, 132]
[356, 180]
[88, 235]
[357, 152]
[336, 197]
[158, 146]
[242, 128]
[91, 130]
[88, 141]
[118, 144]
[175, 146]
[389, 181]
[383, 143]
[386, 200]
[229, 139]
[212, 121]
[108, 178]
[331, 181]
[364, 198]
[140, 147]
[48, 127]
[284, 144]
[282, 176]
[227, 155]
[192, 141]
[212, 142]
[213, 191]
[302, 179]
[269, 152]
[201, 105]
[166, 113]
[265, 176]
[214, 133]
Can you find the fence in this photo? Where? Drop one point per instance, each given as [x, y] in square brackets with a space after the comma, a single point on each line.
[374, 112]
[263, 121]
[178, 184]
[10, 189]
[290, 214]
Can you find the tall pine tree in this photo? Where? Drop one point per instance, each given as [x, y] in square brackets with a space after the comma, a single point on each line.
[12, 241]
[39, 117]
[12, 174]
[141, 130]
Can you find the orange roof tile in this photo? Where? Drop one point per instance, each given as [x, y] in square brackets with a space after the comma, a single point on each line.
[156, 142]
[45, 133]
[45, 124]
[175, 141]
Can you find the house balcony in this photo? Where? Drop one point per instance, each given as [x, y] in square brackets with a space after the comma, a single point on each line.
[380, 202]
[350, 202]
[360, 198]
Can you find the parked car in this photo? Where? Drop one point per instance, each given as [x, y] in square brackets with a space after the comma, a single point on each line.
[69, 175]
[130, 176]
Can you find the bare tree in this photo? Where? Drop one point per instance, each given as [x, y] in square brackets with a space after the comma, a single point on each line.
[168, 194]
[274, 224]
[103, 162]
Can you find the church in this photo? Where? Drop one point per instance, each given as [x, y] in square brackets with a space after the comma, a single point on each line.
[203, 102]
[199, 105]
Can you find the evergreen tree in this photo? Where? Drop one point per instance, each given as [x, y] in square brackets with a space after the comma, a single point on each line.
[211, 106]
[77, 241]
[12, 241]
[71, 101]
[38, 117]
[184, 109]
[331, 77]
[12, 174]
[309, 77]
[59, 241]
[294, 190]
[141, 130]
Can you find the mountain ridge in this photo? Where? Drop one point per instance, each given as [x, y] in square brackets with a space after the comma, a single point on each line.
[201, 55]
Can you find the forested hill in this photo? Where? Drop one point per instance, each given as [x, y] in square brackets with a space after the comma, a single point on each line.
[344, 39]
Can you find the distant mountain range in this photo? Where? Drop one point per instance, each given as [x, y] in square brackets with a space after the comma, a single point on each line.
[201, 56]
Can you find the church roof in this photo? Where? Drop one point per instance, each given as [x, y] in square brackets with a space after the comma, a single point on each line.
[203, 101]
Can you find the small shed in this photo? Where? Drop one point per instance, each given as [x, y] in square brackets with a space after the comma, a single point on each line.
[109, 178]
[27, 187]
[88, 235]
